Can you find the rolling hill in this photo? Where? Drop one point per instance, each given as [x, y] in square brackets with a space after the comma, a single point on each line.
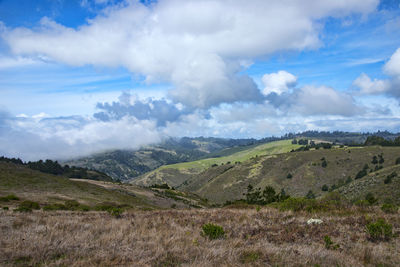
[177, 174]
[47, 189]
[226, 178]
[127, 164]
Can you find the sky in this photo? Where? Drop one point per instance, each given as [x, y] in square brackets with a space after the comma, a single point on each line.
[84, 76]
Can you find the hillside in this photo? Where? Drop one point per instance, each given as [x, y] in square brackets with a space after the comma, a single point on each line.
[47, 189]
[127, 164]
[177, 174]
[296, 172]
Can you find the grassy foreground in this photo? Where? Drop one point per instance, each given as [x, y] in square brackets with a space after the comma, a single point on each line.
[253, 237]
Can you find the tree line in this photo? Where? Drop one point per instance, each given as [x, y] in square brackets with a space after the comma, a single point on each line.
[55, 168]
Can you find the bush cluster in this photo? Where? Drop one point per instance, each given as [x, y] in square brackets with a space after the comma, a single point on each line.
[389, 208]
[329, 202]
[8, 198]
[68, 205]
[379, 230]
[329, 244]
[28, 206]
[213, 231]
[389, 177]
[268, 195]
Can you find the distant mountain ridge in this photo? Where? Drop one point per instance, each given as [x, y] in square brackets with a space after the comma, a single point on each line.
[127, 164]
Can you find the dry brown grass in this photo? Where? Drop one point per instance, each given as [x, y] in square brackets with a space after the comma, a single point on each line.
[173, 238]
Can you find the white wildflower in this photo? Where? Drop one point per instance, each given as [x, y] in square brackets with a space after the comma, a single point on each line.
[314, 221]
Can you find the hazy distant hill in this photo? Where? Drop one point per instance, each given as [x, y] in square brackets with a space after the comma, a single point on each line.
[127, 164]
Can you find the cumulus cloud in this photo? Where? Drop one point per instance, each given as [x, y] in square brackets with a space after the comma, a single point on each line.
[390, 87]
[195, 45]
[315, 100]
[279, 82]
[324, 100]
[392, 67]
[368, 86]
[160, 111]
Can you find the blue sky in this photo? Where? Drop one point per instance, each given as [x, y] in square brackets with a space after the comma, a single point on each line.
[146, 70]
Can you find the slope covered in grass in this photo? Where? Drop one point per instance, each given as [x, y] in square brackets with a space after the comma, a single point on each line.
[176, 174]
[296, 172]
[46, 188]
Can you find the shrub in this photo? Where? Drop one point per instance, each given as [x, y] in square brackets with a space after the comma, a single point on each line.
[249, 256]
[324, 164]
[27, 206]
[310, 195]
[213, 231]
[116, 212]
[361, 174]
[105, 206]
[361, 203]
[379, 230]
[325, 187]
[389, 208]
[289, 176]
[371, 198]
[72, 204]
[169, 260]
[389, 178]
[299, 204]
[84, 208]
[381, 159]
[8, 198]
[5, 208]
[329, 243]
[161, 186]
[294, 204]
[398, 160]
[55, 206]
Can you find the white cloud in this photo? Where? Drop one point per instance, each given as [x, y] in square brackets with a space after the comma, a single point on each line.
[61, 138]
[324, 100]
[368, 86]
[392, 67]
[15, 62]
[195, 45]
[390, 87]
[279, 82]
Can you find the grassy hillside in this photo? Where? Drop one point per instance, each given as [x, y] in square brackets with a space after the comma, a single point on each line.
[176, 174]
[46, 189]
[309, 170]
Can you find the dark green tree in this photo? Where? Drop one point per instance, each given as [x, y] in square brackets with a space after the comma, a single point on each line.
[269, 194]
[310, 195]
